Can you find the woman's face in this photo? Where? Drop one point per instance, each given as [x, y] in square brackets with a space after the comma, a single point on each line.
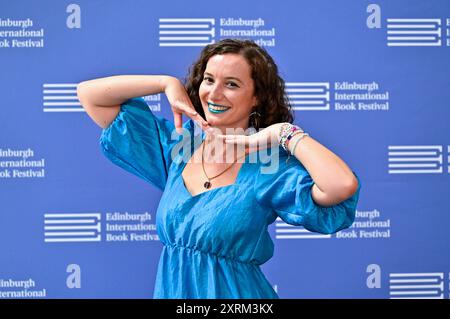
[227, 92]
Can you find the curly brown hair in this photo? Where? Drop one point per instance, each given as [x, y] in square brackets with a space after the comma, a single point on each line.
[273, 103]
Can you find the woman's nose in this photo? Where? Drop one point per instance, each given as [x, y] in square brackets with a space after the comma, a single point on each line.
[216, 92]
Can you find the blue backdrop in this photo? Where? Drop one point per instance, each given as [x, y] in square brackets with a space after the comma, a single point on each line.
[369, 80]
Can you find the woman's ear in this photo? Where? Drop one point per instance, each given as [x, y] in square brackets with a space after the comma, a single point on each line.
[255, 102]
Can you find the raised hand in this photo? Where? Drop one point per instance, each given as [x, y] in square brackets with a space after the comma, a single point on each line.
[265, 138]
[181, 104]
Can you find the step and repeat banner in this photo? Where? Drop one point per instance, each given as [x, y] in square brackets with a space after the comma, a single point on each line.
[368, 79]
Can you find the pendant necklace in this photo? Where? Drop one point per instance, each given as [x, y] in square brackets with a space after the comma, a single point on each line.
[208, 184]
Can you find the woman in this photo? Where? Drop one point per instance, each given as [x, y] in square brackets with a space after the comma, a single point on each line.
[213, 214]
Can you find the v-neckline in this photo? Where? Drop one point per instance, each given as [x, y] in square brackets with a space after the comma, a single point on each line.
[236, 181]
[183, 166]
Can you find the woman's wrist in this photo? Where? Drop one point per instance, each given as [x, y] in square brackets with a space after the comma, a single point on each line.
[295, 140]
[289, 132]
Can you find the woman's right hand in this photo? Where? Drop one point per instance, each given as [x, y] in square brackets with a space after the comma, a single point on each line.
[181, 104]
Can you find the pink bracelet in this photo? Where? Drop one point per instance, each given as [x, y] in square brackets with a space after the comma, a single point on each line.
[287, 131]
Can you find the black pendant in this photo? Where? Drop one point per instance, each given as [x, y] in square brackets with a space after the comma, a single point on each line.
[207, 185]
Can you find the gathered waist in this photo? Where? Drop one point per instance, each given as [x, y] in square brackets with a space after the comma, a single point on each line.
[210, 254]
[190, 272]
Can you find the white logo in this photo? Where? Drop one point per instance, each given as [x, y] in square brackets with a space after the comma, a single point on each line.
[186, 32]
[309, 96]
[195, 32]
[414, 32]
[367, 225]
[83, 227]
[416, 285]
[61, 97]
[287, 231]
[410, 32]
[423, 285]
[346, 96]
[415, 159]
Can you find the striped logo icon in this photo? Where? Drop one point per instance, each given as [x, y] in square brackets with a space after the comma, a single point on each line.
[415, 159]
[414, 32]
[287, 231]
[309, 96]
[186, 32]
[84, 227]
[416, 285]
[61, 97]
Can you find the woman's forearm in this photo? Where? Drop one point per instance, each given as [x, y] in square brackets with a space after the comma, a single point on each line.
[114, 90]
[330, 173]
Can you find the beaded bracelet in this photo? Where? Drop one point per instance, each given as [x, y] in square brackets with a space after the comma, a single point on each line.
[287, 131]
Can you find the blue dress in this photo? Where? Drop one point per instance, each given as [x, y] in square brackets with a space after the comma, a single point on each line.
[215, 242]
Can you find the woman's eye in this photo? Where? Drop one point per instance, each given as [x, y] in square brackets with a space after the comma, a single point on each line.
[232, 84]
[207, 79]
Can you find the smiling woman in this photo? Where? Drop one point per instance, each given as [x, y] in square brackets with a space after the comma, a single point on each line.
[213, 216]
[240, 73]
[227, 86]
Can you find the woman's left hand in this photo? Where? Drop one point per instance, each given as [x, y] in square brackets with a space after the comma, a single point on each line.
[263, 139]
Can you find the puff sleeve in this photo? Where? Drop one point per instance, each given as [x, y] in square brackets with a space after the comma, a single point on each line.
[288, 193]
[139, 142]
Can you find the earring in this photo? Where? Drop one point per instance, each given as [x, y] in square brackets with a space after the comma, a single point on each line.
[255, 122]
